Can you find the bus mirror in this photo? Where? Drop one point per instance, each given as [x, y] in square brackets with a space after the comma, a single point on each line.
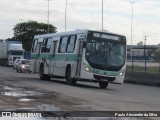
[84, 44]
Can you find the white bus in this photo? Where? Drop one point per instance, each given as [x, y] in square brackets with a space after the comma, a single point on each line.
[81, 55]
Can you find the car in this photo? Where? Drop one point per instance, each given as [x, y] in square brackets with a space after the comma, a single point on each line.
[150, 59]
[23, 65]
[15, 63]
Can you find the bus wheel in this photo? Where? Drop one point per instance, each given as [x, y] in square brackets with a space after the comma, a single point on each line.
[42, 75]
[69, 80]
[20, 70]
[103, 85]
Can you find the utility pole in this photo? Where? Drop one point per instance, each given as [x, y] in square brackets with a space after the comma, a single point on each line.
[48, 16]
[102, 14]
[65, 16]
[145, 38]
[131, 33]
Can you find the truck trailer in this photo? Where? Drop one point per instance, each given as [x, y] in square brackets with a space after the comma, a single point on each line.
[9, 51]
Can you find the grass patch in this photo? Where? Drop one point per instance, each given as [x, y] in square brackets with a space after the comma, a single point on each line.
[142, 69]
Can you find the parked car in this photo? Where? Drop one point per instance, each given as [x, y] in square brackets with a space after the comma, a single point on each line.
[23, 65]
[15, 63]
[150, 59]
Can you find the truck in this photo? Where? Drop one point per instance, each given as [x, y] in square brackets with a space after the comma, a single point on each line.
[10, 51]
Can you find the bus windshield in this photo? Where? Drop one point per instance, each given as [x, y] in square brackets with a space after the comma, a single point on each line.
[105, 54]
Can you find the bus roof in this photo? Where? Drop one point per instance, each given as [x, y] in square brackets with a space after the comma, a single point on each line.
[78, 31]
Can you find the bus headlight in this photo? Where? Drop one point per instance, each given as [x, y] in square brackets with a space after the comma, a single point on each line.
[121, 73]
[86, 67]
[23, 66]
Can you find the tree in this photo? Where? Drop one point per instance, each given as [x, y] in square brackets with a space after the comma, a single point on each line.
[25, 32]
[157, 53]
[151, 52]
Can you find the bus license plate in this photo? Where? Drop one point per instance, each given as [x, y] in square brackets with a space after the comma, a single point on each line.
[104, 80]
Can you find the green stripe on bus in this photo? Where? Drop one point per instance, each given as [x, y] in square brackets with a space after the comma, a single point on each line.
[57, 57]
[73, 57]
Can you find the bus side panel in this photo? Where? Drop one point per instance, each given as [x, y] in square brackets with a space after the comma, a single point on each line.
[59, 66]
[61, 62]
[34, 62]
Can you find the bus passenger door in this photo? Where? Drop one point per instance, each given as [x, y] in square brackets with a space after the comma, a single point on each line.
[80, 51]
[35, 65]
[52, 61]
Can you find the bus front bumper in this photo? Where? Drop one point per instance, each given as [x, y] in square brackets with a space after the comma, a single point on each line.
[91, 77]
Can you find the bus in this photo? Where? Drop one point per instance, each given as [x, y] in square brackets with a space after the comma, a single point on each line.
[80, 55]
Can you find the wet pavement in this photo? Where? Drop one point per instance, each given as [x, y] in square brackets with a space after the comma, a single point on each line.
[25, 96]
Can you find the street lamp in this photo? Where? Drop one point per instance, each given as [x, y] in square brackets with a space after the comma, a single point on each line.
[48, 16]
[131, 33]
[145, 51]
[102, 14]
[65, 15]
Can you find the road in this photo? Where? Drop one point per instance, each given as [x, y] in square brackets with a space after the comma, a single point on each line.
[24, 91]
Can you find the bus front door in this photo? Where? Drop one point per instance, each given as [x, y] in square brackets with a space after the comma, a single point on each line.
[80, 51]
[37, 55]
[52, 58]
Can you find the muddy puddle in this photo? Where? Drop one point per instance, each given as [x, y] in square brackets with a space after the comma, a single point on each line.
[28, 97]
[25, 100]
[48, 107]
[21, 93]
[18, 92]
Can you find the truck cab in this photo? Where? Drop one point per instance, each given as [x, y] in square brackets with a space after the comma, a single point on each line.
[14, 51]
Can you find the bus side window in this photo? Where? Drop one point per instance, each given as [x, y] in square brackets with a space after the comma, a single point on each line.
[46, 46]
[63, 44]
[34, 46]
[71, 44]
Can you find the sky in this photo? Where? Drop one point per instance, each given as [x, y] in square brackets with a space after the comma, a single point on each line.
[87, 14]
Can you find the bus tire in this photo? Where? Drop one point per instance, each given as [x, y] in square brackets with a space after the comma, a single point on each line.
[69, 80]
[103, 84]
[20, 70]
[42, 75]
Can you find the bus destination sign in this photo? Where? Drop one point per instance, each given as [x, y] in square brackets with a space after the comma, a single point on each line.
[105, 36]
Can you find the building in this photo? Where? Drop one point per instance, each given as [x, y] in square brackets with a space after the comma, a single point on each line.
[139, 50]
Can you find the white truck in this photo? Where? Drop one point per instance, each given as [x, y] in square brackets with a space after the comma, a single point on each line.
[9, 51]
